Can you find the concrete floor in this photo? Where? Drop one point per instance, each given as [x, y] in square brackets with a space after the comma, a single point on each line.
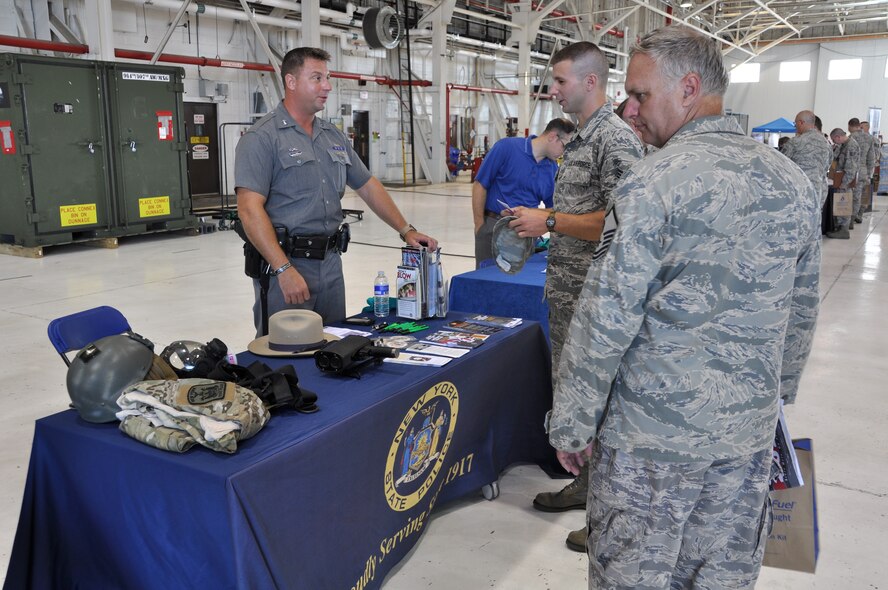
[174, 287]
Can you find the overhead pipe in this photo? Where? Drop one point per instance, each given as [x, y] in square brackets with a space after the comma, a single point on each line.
[245, 65]
[563, 15]
[40, 44]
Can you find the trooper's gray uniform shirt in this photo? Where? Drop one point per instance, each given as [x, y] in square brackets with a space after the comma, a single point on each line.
[812, 153]
[702, 313]
[594, 160]
[303, 179]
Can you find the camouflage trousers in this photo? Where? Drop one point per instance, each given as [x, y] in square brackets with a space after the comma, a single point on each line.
[857, 196]
[659, 525]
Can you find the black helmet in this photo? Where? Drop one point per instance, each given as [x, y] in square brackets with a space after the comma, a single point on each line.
[103, 369]
[193, 359]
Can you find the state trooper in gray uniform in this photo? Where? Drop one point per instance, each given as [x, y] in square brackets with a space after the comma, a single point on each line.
[291, 170]
[865, 164]
[810, 150]
[845, 176]
[698, 320]
[601, 151]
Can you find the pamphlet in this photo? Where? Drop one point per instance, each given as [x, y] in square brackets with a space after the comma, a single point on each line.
[448, 351]
[409, 293]
[455, 339]
[424, 360]
[785, 470]
[473, 328]
[494, 320]
[430, 286]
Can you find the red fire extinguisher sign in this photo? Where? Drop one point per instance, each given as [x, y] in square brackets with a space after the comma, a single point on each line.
[164, 125]
[7, 138]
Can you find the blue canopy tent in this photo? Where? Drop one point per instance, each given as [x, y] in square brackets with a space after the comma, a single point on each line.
[780, 125]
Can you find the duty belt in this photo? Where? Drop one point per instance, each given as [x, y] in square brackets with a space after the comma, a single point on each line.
[312, 247]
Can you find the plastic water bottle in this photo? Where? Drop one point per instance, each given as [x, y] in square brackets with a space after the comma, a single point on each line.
[381, 296]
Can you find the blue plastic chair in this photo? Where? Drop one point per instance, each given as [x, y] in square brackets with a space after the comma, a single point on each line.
[73, 332]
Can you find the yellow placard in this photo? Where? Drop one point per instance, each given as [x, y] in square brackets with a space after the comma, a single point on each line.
[154, 206]
[199, 139]
[83, 214]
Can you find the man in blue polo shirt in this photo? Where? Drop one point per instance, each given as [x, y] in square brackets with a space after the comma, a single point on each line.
[518, 171]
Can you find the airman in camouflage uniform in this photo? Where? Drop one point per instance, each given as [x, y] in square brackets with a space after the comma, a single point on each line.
[876, 148]
[810, 150]
[847, 159]
[865, 165]
[698, 320]
[600, 152]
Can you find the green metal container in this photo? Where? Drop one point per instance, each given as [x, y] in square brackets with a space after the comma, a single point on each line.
[90, 150]
[147, 130]
[54, 165]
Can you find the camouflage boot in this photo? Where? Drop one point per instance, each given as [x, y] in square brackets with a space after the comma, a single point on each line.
[571, 497]
[576, 540]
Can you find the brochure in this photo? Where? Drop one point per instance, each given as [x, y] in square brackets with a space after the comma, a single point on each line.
[473, 328]
[424, 360]
[494, 320]
[451, 352]
[457, 339]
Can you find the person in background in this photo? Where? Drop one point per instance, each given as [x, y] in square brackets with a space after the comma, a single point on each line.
[291, 170]
[810, 150]
[781, 143]
[872, 160]
[698, 319]
[864, 167]
[518, 171]
[847, 156]
[602, 150]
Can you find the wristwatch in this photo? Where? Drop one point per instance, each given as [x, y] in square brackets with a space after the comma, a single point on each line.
[406, 230]
[550, 221]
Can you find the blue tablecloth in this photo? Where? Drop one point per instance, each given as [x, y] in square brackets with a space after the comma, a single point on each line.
[327, 500]
[489, 290]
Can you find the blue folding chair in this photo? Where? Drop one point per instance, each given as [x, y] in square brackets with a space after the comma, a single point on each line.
[73, 332]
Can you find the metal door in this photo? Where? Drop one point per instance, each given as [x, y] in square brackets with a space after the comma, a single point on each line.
[148, 131]
[65, 145]
[203, 147]
[361, 123]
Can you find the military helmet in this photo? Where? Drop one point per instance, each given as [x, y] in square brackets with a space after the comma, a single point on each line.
[103, 369]
[510, 251]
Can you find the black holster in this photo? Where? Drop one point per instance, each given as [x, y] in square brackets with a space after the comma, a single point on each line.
[256, 267]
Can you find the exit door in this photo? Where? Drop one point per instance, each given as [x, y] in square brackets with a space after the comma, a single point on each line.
[203, 147]
[361, 124]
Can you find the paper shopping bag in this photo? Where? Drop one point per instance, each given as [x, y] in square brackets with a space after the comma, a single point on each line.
[843, 202]
[793, 543]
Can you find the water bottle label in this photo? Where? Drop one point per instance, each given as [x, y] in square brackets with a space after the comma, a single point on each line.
[380, 290]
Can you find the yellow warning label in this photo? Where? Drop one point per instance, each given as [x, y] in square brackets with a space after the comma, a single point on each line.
[200, 139]
[83, 214]
[154, 206]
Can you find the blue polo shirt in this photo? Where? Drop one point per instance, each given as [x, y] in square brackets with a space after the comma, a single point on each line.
[511, 174]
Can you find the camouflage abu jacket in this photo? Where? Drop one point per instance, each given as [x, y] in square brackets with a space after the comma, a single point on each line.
[702, 312]
[812, 153]
[594, 160]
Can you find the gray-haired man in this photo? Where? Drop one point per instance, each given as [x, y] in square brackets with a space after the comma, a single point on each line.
[698, 320]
